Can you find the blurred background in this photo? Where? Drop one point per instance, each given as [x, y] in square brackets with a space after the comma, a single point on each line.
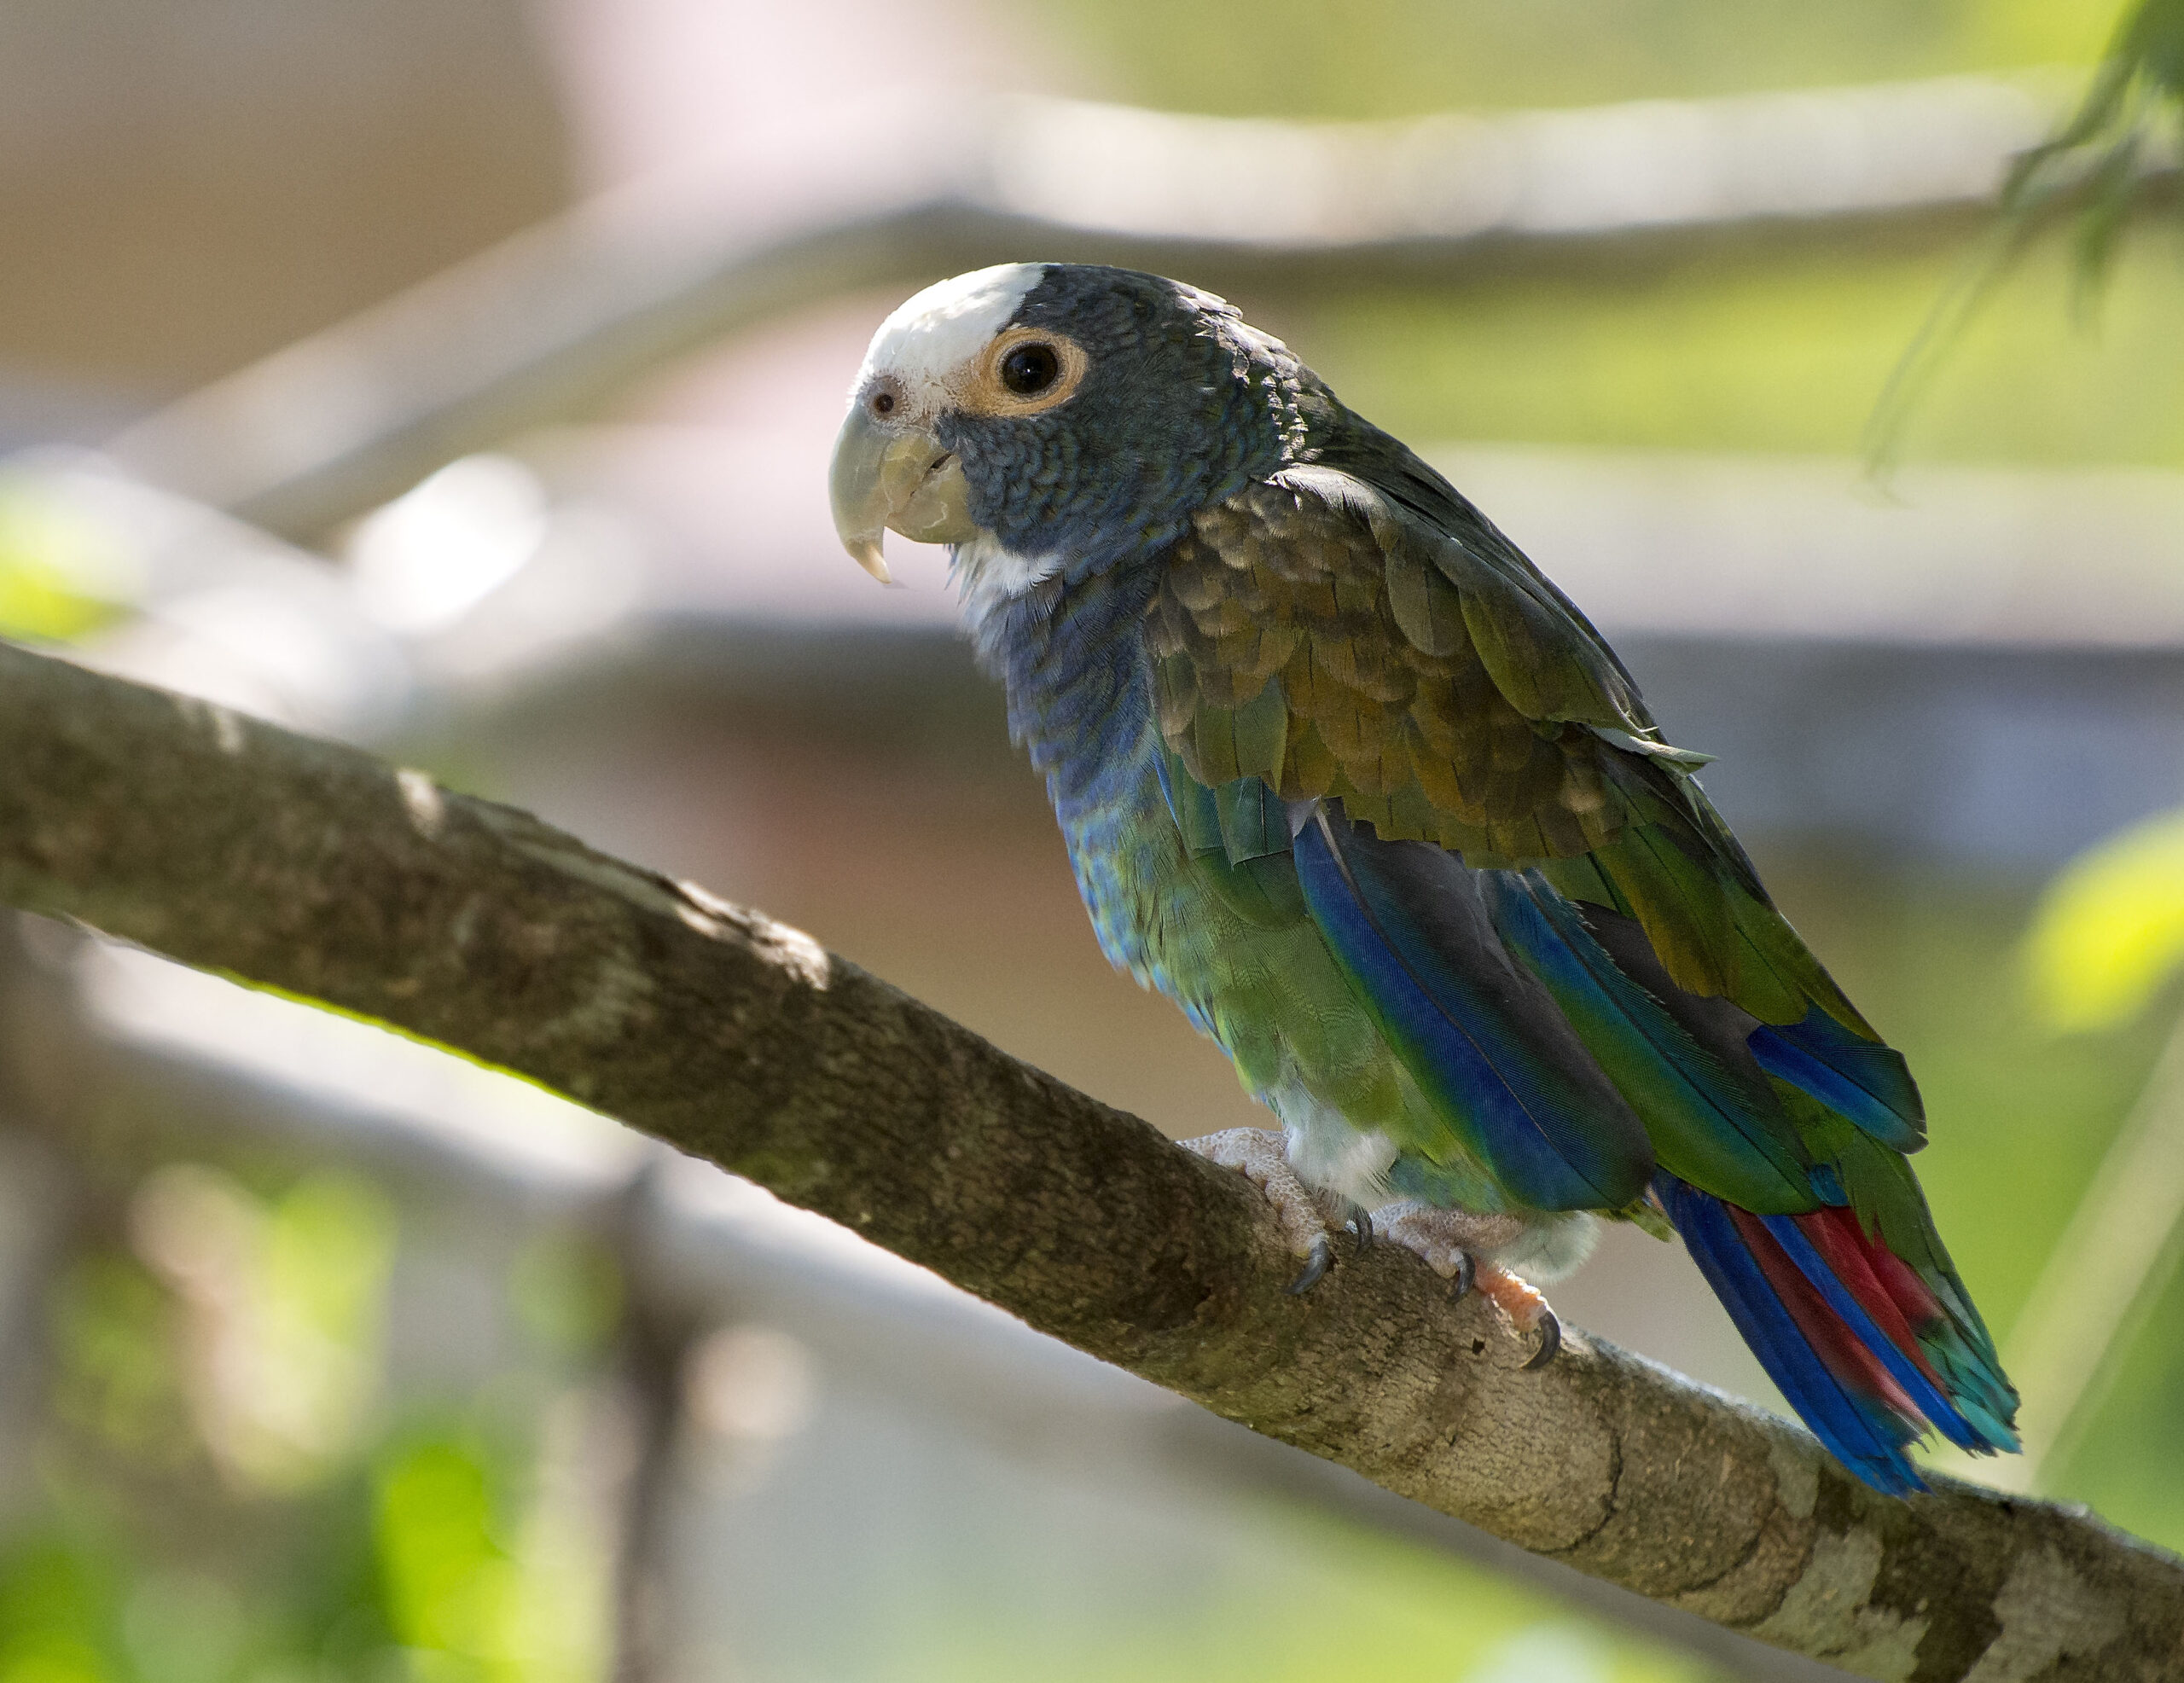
[457, 377]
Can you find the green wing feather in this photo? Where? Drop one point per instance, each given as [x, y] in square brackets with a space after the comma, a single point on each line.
[1325, 635]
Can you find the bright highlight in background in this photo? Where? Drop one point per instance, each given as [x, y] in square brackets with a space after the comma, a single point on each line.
[436, 551]
[2111, 928]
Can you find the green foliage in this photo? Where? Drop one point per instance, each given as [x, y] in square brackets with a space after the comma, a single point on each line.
[445, 1576]
[219, 1504]
[2109, 930]
[2096, 168]
[481, 1586]
[2100, 155]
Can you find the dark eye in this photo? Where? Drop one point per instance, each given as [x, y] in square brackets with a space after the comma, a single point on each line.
[883, 403]
[1029, 370]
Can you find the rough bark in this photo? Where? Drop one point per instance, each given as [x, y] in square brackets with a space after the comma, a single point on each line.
[320, 872]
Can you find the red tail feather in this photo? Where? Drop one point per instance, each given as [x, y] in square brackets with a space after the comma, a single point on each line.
[1833, 1342]
[1863, 1266]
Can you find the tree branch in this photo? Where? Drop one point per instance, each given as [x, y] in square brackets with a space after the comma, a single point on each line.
[316, 870]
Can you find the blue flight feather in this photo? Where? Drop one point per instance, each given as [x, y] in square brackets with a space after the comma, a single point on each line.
[1702, 1122]
[1479, 1034]
[1860, 1080]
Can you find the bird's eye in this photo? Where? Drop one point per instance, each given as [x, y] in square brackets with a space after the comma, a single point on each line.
[1030, 368]
[883, 403]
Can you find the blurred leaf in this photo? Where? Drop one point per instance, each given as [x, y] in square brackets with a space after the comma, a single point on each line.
[56, 1608]
[441, 1569]
[329, 1242]
[2110, 929]
[2100, 155]
[58, 570]
[2097, 165]
[284, 1300]
[479, 1587]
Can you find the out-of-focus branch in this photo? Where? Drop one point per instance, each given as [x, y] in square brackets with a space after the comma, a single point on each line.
[556, 320]
[316, 870]
[652, 1350]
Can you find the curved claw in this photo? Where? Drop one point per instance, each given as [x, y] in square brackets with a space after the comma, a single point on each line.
[1362, 1225]
[1465, 1276]
[1550, 1340]
[1316, 1267]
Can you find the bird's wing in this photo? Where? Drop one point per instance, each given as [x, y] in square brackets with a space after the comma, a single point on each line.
[1375, 709]
[1316, 641]
[1326, 640]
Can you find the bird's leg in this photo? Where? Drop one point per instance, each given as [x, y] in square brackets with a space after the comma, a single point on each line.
[1263, 1156]
[1452, 1242]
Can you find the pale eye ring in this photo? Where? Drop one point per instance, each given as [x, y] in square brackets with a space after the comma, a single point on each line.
[883, 400]
[1031, 368]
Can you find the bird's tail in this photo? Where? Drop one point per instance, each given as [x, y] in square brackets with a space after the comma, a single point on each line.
[1872, 1349]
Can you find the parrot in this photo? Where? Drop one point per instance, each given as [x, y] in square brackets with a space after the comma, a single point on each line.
[1344, 775]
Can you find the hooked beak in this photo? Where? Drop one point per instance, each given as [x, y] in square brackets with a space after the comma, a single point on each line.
[884, 479]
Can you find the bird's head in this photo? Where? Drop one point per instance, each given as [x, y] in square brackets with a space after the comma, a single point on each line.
[1062, 408]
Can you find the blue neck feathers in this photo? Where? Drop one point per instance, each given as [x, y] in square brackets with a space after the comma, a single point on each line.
[1070, 653]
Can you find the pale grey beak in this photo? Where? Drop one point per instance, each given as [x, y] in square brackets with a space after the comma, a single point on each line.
[895, 479]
